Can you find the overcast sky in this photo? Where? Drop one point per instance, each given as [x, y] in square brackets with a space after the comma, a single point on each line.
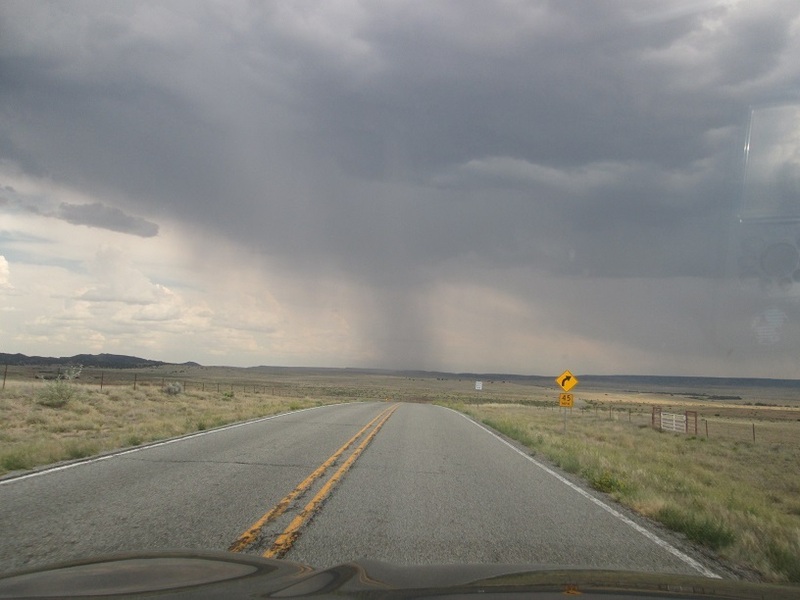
[466, 185]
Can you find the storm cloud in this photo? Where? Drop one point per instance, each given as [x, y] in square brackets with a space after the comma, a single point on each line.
[106, 217]
[407, 148]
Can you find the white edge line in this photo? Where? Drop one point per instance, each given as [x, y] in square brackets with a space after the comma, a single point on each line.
[97, 459]
[646, 533]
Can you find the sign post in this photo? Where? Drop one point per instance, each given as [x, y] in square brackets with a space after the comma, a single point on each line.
[566, 381]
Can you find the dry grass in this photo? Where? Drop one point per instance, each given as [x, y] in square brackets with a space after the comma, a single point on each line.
[738, 498]
[133, 407]
[93, 421]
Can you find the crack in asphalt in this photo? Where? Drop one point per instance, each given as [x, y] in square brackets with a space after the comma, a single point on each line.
[216, 462]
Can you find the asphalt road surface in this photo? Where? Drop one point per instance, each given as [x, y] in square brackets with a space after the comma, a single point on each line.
[407, 483]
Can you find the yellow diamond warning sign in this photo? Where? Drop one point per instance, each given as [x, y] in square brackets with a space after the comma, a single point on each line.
[566, 381]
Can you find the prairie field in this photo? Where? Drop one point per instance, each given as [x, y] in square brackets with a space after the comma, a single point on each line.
[732, 487]
[50, 420]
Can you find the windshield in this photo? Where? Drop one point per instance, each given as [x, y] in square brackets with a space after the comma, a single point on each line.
[388, 195]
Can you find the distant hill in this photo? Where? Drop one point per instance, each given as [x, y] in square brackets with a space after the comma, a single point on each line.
[629, 383]
[105, 361]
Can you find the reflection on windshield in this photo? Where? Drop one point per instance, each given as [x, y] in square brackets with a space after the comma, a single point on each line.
[757, 307]
[772, 175]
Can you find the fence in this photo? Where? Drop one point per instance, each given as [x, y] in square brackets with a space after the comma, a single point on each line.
[763, 428]
[710, 425]
[93, 377]
[673, 422]
[208, 381]
[679, 423]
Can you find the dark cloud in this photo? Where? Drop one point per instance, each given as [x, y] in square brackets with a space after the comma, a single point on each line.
[391, 143]
[105, 217]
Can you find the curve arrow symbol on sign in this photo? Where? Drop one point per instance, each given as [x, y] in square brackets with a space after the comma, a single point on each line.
[566, 381]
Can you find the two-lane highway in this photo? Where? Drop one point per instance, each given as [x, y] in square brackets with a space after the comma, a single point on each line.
[198, 493]
[409, 483]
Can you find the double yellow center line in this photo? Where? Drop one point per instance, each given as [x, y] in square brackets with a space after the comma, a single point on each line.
[284, 541]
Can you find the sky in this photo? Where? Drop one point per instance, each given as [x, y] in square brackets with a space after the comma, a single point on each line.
[492, 187]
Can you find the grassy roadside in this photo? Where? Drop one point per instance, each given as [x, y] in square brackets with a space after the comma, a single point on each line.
[37, 430]
[739, 499]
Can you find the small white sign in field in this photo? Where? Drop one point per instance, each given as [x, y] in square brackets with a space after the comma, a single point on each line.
[479, 385]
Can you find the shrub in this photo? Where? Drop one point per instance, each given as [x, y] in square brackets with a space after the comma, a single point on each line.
[785, 560]
[134, 439]
[15, 461]
[607, 482]
[711, 533]
[57, 393]
[515, 431]
[77, 449]
[569, 462]
[173, 389]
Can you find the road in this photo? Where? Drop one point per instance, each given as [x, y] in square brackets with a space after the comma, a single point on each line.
[413, 484]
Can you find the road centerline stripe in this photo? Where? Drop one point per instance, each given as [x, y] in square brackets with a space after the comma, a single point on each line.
[285, 540]
[251, 534]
